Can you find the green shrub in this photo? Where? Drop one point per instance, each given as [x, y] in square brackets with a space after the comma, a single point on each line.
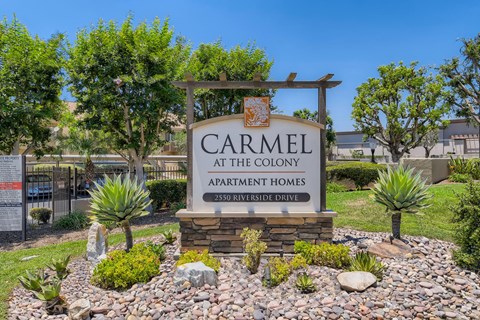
[324, 254]
[470, 167]
[298, 262]
[76, 220]
[41, 214]
[467, 232]
[174, 207]
[158, 249]
[121, 269]
[279, 269]
[364, 261]
[459, 177]
[253, 247]
[333, 187]
[305, 284]
[195, 256]
[361, 173]
[166, 192]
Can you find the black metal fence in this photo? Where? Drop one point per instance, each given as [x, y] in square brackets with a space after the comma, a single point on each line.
[54, 187]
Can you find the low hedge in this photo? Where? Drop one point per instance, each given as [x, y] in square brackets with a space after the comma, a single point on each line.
[166, 192]
[361, 173]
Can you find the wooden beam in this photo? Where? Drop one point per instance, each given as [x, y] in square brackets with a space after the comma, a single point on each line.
[257, 77]
[190, 120]
[326, 77]
[322, 119]
[189, 77]
[256, 84]
[223, 76]
[291, 76]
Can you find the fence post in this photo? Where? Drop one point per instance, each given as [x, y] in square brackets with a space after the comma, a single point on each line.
[68, 190]
[53, 193]
[75, 183]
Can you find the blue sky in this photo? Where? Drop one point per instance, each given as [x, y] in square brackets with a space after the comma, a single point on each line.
[347, 38]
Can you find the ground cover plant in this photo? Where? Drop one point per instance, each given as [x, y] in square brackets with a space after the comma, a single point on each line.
[323, 254]
[13, 266]
[278, 270]
[76, 220]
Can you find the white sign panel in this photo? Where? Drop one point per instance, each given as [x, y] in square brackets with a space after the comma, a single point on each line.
[11, 207]
[273, 169]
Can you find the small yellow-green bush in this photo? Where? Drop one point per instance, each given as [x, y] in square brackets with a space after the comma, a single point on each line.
[253, 247]
[121, 270]
[41, 214]
[298, 262]
[280, 270]
[195, 256]
[324, 254]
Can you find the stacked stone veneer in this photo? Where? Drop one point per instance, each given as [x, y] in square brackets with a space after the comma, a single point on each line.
[222, 235]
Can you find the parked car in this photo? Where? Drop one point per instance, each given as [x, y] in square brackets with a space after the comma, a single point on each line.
[39, 185]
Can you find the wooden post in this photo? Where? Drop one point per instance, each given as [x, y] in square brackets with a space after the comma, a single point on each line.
[322, 119]
[190, 115]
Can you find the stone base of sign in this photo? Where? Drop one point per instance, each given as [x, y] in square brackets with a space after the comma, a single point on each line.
[220, 233]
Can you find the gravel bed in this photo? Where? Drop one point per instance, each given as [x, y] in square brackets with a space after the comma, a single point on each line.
[428, 286]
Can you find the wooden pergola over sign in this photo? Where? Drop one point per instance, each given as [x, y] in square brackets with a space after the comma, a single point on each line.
[322, 84]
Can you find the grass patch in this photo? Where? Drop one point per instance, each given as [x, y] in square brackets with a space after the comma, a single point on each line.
[357, 210]
[12, 266]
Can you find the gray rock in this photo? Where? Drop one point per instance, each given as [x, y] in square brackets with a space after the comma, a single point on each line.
[356, 280]
[197, 273]
[80, 310]
[258, 315]
[28, 258]
[390, 250]
[97, 245]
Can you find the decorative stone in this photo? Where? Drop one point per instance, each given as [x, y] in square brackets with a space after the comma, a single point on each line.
[80, 310]
[97, 244]
[294, 221]
[197, 273]
[396, 249]
[356, 280]
[206, 221]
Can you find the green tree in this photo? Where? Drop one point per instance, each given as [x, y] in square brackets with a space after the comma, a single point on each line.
[121, 77]
[429, 141]
[30, 86]
[400, 107]
[240, 64]
[463, 78]
[306, 114]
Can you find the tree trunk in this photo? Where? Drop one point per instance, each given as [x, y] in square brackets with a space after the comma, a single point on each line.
[427, 153]
[128, 235]
[396, 155]
[140, 178]
[89, 170]
[396, 221]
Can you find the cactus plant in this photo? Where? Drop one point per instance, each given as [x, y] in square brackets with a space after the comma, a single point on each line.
[305, 284]
[400, 191]
[118, 201]
[364, 261]
[60, 267]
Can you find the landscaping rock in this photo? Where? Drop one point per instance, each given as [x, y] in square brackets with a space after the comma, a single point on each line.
[356, 280]
[80, 310]
[197, 273]
[97, 245]
[385, 249]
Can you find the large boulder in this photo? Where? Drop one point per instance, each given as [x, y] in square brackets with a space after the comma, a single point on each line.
[387, 249]
[356, 280]
[97, 244]
[80, 310]
[196, 273]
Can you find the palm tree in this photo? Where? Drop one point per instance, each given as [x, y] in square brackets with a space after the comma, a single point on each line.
[117, 202]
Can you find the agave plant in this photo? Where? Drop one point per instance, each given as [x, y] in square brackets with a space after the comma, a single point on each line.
[169, 236]
[60, 267]
[33, 281]
[305, 284]
[364, 261]
[50, 294]
[400, 191]
[117, 202]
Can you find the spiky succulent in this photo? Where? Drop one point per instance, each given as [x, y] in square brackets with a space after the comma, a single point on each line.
[305, 284]
[118, 200]
[400, 190]
[60, 267]
[50, 291]
[364, 261]
[33, 281]
[169, 236]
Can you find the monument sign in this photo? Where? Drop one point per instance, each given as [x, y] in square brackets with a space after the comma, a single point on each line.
[12, 199]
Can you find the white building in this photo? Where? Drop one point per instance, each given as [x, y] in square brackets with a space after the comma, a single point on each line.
[457, 138]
